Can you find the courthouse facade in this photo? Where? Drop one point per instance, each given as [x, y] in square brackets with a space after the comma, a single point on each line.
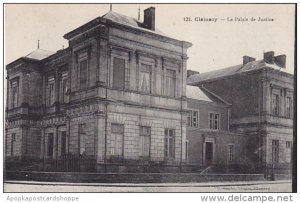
[116, 93]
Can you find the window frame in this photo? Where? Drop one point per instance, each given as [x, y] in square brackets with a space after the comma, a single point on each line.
[81, 138]
[276, 92]
[230, 153]
[85, 84]
[191, 116]
[289, 106]
[49, 148]
[83, 55]
[13, 139]
[115, 134]
[15, 92]
[212, 120]
[187, 146]
[64, 91]
[126, 77]
[51, 90]
[167, 89]
[169, 152]
[143, 69]
[142, 137]
[275, 151]
[63, 143]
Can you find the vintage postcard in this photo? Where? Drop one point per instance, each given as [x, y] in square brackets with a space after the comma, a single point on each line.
[149, 98]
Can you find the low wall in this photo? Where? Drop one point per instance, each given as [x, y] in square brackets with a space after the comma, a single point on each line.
[127, 177]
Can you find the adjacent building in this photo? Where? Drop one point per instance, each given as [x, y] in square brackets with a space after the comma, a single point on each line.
[262, 101]
[209, 139]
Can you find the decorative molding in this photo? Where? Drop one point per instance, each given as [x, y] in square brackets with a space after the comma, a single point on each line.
[96, 32]
[119, 48]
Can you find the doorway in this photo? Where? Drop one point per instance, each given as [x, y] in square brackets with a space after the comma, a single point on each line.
[209, 153]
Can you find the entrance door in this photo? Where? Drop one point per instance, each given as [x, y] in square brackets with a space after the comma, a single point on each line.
[208, 153]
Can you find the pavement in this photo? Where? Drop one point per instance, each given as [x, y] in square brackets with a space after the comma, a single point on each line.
[239, 186]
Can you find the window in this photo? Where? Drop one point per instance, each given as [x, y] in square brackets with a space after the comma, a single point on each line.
[64, 88]
[144, 142]
[83, 75]
[186, 150]
[50, 145]
[119, 73]
[63, 143]
[230, 151]
[145, 78]
[51, 90]
[275, 104]
[189, 118]
[289, 107]
[13, 139]
[117, 139]
[169, 143]
[193, 119]
[14, 93]
[170, 81]
[81, 137]
[275, 151]
[214, 120]
[288, 144]
[51, 94]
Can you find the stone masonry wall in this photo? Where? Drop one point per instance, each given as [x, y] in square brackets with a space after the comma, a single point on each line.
[133, 117]
[13, 148]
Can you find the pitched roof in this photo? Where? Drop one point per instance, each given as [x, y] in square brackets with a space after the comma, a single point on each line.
[129, 21]
[39, 54]
[254, 65]
[194, 92]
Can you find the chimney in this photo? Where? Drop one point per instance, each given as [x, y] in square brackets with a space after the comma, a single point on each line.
[269, 57]
[247, 59]
[191, 72]
[280, 60]
[149, 18]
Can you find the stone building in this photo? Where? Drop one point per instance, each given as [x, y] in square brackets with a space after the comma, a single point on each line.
[261, 98]
[116, 94]
[209, 140]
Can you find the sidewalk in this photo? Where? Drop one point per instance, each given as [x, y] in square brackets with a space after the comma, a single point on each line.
[192, 184]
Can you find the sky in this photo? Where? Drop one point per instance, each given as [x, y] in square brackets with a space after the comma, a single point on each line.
[215, 44]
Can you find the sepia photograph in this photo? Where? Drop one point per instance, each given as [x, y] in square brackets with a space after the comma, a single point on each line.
[149, 98]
